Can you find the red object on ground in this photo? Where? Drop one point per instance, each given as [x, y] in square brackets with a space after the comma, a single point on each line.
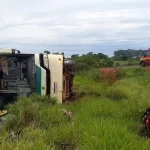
[109, 74]
[147, 120]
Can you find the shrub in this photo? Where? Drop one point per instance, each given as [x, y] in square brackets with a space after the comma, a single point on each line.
[111, 75]
[82, 66]
[82, 73]
[106, 63]
[117, 64]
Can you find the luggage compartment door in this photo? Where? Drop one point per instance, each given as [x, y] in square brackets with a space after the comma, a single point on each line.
[56, 75]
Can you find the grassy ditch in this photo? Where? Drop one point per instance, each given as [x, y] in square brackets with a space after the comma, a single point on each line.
[106, 117]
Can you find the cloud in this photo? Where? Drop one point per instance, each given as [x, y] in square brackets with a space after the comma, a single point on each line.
[75, 26]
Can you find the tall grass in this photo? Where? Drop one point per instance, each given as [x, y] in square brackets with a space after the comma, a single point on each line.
[106, 118]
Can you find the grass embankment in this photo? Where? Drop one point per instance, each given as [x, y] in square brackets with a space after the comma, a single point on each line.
[106, 118]
[126, 63]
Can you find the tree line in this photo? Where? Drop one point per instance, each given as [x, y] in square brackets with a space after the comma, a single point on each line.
[91, 60]
[99, 60]
[129, 53]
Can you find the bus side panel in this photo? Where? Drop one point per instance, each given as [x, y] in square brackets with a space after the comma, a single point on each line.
[56, 73]
[40, 77]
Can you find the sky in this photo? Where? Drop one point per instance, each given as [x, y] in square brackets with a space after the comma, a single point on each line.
[74, 27]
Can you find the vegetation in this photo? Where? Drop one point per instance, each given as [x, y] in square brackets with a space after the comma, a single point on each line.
[100, 60]
[106, 117]
[90, 60]
[130, 53]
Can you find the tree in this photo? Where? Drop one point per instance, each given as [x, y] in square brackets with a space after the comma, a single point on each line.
[106, 63]
[124, 58]
[62, 53]
[102, 56]
[90, 53]
[129, 53]
[47, 52]
[75, 55]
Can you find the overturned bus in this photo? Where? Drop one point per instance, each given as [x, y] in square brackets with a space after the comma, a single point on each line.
[44, 74]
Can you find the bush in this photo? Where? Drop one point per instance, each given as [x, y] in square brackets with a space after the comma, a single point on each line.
[117, 64]
[111, 75]
[82, 66]
[106, 63]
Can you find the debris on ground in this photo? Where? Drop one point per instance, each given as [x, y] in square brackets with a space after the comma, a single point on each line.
[3, 112]
[15, 135]
[67, 113]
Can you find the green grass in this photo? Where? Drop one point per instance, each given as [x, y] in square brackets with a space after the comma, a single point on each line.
[106, 118]
[126, 63]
